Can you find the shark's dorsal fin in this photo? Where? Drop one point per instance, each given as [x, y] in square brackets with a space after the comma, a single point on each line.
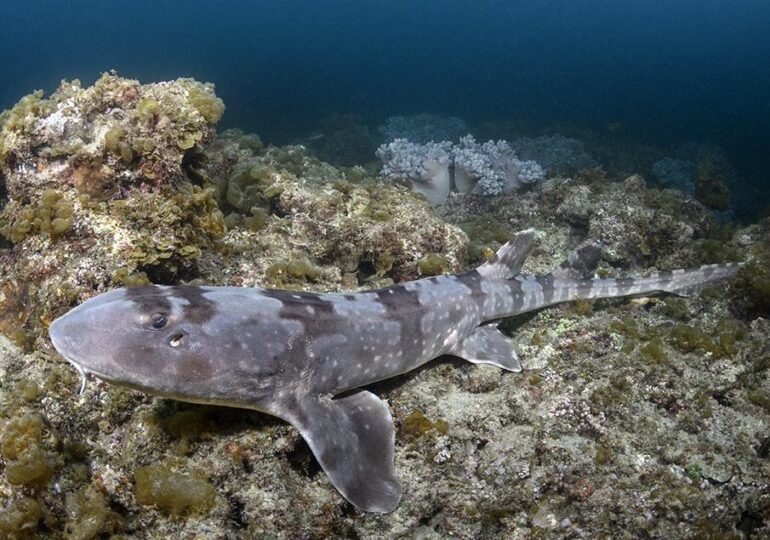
[508, 260]
[353, 439]
[581, 263]
[487, 345]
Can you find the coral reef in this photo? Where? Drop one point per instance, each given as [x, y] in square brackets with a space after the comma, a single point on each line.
[98, 188]
[321, 228]
[633, 418]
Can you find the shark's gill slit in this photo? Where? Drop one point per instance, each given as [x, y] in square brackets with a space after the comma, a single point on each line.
[175, 340]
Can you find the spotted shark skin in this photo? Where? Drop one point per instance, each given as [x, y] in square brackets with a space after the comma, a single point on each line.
[303, 357]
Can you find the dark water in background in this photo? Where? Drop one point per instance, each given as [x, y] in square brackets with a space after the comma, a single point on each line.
[666, 70]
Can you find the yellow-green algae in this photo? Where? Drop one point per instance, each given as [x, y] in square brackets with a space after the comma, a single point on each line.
[52, 215]
[433, 264]
[287, 273]
[15, 313]
[752, 284]
[89, 167]
[172, 492]
[416, 424]
[89, 516]
[115, 142]
[20, 519]
[21, 446]
[722, 341]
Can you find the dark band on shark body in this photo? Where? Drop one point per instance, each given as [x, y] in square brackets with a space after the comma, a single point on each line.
[151, 299]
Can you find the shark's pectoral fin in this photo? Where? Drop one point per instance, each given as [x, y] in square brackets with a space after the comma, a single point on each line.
[487, 345]
[353, 439]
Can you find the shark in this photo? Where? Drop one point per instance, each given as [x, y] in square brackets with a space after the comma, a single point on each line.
[307, 357]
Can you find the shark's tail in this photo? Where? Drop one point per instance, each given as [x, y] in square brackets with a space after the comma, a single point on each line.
[574, 274]
[573, 279]
[679, 282]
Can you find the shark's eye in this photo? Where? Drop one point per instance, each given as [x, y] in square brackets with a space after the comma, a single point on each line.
[158, 321]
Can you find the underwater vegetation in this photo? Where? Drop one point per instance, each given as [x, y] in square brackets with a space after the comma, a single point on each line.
[96, 177]
[642, 417]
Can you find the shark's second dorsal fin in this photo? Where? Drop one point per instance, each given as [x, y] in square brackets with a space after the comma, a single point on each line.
[581, 263]
[508, 260]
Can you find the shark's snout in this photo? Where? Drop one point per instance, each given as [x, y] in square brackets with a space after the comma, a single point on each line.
[58, 335]
[63, 339]
[62, 334]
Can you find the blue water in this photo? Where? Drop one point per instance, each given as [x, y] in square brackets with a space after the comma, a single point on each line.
[667, 71]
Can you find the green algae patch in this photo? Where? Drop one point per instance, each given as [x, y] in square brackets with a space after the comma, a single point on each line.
[603, 454]
[257, 221]
[170, 232]
[125, 278]
[115, 143]
[417, 424]
[752, 285]
[188, 426]
[676, 308]
[433, 264]
[89, 515]
[713, 251]
[723, 341]
[758, 397]
[15, 312]
[294, 271]
[51, 215]
[20, 446]
[20, 519]
[653, 352]
[246, 186]
[202, 98]
[31, 468]
[486, 234]
[173, 493]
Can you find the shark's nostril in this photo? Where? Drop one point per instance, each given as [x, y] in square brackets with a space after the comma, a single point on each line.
[175, 340]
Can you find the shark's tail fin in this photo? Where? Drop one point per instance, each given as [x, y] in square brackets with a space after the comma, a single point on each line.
[581, 264]
[576, 272]
[680, 282]
[507, 262]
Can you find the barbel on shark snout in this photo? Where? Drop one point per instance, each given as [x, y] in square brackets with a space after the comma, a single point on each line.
[303, 357]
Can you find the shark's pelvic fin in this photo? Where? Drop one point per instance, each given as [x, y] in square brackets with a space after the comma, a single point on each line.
[508, 260]
[487, 345]
[581, 263]
[353, 439]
